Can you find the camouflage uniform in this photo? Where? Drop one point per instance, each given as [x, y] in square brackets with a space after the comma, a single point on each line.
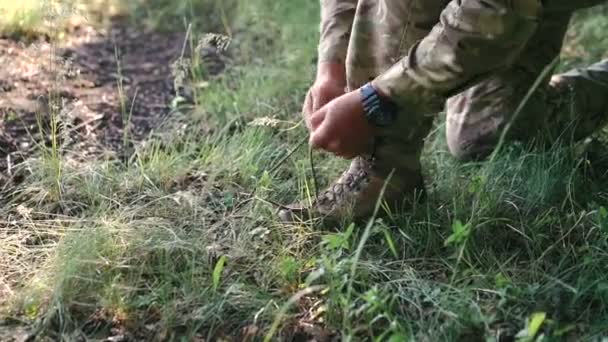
[479, 56]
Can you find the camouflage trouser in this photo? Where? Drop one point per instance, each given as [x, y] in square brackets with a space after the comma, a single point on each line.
[573, 106]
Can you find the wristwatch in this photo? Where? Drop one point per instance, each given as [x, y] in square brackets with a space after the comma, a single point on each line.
[378, 110]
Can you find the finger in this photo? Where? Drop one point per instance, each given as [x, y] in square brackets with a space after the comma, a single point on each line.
[335, 147]
[307, 109]
[347, 155]
[320, 101]
[322, 136]
[316, 119]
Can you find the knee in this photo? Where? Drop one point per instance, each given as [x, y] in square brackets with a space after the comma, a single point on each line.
[468, 146]
[473, 121]
[459, 148]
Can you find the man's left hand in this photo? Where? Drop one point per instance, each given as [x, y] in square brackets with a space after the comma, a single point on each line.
[340, 127]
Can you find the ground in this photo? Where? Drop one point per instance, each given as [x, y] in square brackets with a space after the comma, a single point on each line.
[90, 64]
[141, 165]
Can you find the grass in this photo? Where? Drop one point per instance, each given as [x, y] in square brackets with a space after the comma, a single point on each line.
[175, 241]
[30, 19]
[16, 16]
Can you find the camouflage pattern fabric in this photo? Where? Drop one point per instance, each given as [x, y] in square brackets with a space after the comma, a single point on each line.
[481, 56]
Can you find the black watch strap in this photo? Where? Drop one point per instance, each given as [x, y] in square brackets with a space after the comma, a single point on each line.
[378, 111]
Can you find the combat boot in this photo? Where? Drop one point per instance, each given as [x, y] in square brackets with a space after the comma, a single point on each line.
[355, 194]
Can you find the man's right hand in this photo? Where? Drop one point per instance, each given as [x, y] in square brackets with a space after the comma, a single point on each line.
[330, 84]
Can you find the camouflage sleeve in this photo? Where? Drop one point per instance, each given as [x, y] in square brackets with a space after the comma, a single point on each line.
[473, 39]
[336, 23]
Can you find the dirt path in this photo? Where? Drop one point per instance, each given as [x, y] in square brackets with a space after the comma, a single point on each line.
[82, 73]
[81, 76]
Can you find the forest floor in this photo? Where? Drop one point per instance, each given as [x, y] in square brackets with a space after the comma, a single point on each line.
[140, 174]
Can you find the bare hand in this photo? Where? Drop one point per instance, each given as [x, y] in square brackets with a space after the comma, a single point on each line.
[330, 84]
[340, 127]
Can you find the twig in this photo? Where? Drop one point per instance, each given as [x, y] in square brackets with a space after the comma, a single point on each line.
[313, 172]
[85, 123]
[188, 32]
[9, 165]
[289, 154]
[252, 195]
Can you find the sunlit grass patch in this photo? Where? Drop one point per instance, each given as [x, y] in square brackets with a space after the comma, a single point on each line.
[31, 18]
[22, 16]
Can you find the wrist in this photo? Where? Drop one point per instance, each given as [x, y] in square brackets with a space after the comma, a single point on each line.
[331, 72]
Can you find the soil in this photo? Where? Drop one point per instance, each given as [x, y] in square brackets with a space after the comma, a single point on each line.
[78, 80]
[95, 84]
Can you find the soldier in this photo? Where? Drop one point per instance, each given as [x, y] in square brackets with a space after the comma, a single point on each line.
[386, 67]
